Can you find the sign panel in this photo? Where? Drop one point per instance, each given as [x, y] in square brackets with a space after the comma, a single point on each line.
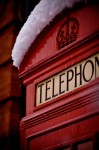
[68, 80]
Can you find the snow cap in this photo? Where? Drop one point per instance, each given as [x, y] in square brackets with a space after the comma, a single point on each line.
[40, 17]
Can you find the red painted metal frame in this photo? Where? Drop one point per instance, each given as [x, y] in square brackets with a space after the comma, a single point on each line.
[71, 117]
[81, 104]
[65, 59]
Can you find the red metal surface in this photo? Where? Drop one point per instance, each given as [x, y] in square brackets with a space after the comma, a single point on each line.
[71, 120]
[47, 47]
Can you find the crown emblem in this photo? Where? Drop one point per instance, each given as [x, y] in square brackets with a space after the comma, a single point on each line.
[67, 33]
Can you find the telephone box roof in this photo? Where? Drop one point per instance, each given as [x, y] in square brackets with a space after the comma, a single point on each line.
[40, 17]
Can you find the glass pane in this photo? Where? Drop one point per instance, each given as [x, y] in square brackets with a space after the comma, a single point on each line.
[85, 146]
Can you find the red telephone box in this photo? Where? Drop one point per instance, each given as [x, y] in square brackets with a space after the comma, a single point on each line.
[61, 75]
